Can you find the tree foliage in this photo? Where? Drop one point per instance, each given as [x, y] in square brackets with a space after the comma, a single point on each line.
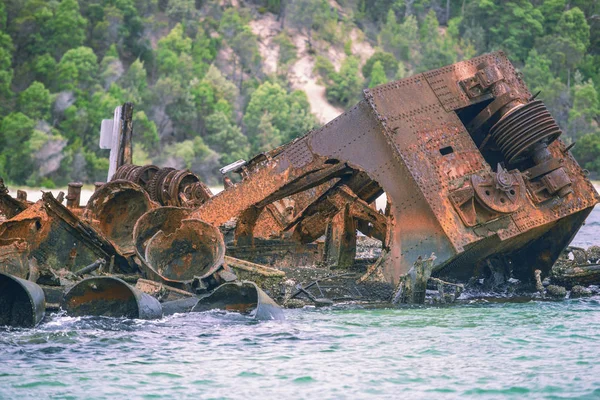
[194, 70]
[378, 76]
[345, 85]
[387, 61]
[274, 116]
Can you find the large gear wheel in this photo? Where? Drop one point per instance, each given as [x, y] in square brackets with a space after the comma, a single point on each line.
[143, 175]
[123, 171]
[156, 183]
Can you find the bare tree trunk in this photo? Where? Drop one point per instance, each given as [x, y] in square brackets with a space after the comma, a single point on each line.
[281, 15]
[447, 11]
[241, 75]
[234, 67]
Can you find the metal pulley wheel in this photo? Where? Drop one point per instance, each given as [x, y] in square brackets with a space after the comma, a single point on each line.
[180, 181]
[144, 174]
[501, 192]
[520, 130]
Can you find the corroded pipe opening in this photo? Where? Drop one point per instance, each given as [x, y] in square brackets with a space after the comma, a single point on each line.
[22, 303]
[177, 248]
[115, 208]
[109, 297]
[194, 249]
[167, 219]
[244, 297]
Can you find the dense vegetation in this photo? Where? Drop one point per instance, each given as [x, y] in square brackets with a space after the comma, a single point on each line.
[196, 76]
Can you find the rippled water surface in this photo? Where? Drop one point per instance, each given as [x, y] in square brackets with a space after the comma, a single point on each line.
[478, 349]
[534, 349]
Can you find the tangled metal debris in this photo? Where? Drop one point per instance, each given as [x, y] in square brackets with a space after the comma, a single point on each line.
[477, 184]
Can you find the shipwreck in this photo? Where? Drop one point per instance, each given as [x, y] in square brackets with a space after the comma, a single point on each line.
[476, 179]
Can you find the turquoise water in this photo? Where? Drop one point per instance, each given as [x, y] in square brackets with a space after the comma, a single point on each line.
[480, 350]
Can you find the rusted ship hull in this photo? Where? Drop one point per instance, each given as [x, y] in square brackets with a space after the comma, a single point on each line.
[476, 179]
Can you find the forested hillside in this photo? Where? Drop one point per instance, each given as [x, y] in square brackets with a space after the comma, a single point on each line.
[214, 81]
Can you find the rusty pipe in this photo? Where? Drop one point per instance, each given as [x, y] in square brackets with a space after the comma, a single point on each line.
[244, 297]
[91, 268]
[74, 194]
[110, 297]
[22, 303]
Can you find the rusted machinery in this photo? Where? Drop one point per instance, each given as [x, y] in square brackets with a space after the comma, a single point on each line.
[476, 179]
[470, 162]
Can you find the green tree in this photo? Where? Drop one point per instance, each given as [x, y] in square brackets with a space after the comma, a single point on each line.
[584, 116]
[287, 49]
[6, 72]
[267, 136]
[222, 87]
[204, 51]
[512, 26]
[111, 67]
[301, 119]
[324, 68]
[305, 14]
[181, 10]
[273, 116]
[268, 98]
[347, 84]
[388, 63]
[226, 138]
[35, 101]
[189, 152]
[145, 131]
[231, 23]
[537, 71]
[375, 9]
[3, 17]
[135, 81]
[66, 30]
[30, 31]
[245, 45]
[378, 75]
[587, 151]
[173, 55]
[573, 25]
[552, 11]
[554, 93]
[78, 68]
[16, 130]
[567, 47]
[44, 68]
[402, 40]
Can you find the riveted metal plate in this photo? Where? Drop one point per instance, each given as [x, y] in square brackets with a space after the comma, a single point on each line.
[445, 81]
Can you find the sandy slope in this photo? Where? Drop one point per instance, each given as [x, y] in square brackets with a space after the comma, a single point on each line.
[300, 73]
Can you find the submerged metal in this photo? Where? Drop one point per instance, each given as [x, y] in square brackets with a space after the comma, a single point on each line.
[109, 297]
[244, 297]
[22, 303]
